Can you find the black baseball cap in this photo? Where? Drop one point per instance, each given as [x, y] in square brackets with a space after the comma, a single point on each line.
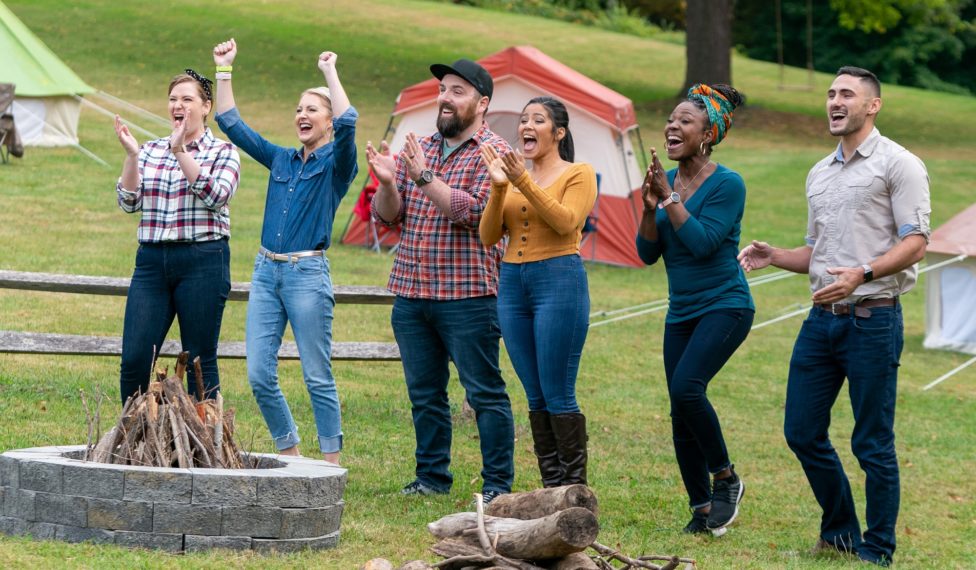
[468, 70]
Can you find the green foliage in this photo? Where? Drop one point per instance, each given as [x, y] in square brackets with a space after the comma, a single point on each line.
[925, 44]
[59, 215]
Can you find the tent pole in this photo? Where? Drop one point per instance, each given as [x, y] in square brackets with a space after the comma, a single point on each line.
[949, 374]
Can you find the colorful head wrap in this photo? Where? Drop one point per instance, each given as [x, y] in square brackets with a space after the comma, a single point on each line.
[719, 109]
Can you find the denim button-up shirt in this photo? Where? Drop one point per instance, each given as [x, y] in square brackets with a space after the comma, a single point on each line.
[302, 196]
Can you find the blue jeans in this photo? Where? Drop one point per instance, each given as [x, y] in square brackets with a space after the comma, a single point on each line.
[694, 351]
[544, 308]
[866, 351]
[429, 333]
[300, 293]
[186, 280]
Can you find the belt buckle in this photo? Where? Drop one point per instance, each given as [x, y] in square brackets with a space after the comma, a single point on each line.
[834, 307]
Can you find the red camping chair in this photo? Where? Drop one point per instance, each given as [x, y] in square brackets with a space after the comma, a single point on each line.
[377, 235]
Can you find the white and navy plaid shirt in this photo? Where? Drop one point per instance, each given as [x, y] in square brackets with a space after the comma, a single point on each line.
[173, 210]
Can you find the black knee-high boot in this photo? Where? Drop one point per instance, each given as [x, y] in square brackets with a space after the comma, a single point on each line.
[571, 438]
[546, 450]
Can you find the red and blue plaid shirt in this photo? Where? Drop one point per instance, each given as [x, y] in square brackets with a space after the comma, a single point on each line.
[173, 210]
[441, 257]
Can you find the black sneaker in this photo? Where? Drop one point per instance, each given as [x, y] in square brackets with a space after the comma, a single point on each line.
[699, 525]
[419, 488]
[489, 496]
[726, 495]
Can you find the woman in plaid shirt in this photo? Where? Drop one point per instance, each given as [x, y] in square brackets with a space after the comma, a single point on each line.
[181, 185]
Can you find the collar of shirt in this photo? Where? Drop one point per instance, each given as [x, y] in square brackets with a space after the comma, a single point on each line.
[865, 149]
[206, 140]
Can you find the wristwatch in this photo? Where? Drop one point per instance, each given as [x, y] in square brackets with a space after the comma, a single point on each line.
[426, 177]
[868, 273]
[177, 148]
[673, 199]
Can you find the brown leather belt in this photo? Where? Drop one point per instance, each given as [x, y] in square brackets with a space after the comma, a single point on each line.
[860, 309]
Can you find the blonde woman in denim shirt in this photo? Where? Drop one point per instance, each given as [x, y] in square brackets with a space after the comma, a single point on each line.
[291, 281]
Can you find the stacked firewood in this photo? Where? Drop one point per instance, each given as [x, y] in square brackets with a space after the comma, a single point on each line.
[546, 529]
[165, 427]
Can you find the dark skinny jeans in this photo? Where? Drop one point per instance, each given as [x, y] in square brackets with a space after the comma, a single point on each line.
[694, 351]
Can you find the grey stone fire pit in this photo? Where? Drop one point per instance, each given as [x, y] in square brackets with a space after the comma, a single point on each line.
[284, 504]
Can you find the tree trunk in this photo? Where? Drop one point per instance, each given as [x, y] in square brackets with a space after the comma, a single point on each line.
[542, 502]
[708, 42]
[554, 536]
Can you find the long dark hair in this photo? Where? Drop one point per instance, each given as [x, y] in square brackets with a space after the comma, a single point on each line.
[560, 118]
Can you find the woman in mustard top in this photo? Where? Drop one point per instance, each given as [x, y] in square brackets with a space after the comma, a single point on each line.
[543, 297]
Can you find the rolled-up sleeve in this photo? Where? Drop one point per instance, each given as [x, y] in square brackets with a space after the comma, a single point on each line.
[130, 201]
[216, 185]
[910, 200]
[346, 167]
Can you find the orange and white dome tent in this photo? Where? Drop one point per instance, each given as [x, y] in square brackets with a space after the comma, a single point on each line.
[605, 134]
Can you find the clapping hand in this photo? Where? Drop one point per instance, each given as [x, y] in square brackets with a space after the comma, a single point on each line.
[225, 52]
[128, 142]
[513, 163]
[493, 162]
[382, 162]
[756, 255]
[414, 156]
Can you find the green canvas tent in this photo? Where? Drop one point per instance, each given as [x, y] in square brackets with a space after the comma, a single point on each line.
[45, 108]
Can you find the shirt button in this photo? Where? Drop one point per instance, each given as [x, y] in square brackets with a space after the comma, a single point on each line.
[291, 189]
[526, 224]
[523, 208]
[524, 238]
[520, 254]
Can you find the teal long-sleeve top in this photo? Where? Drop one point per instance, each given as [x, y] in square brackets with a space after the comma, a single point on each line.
[700, 257]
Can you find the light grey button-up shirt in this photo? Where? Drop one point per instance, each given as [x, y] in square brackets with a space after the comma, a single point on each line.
[861, 208]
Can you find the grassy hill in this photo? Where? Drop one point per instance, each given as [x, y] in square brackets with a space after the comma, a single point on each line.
[58, 214]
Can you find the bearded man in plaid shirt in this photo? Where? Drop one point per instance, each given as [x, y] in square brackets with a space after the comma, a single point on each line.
[446, 281]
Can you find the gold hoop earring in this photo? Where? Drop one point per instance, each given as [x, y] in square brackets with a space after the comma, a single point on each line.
[701, 148]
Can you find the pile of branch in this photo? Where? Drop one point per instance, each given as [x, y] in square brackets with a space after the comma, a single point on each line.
[165, 427]
[547, 529]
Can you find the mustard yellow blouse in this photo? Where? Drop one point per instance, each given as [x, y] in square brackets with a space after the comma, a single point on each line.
[541, 222]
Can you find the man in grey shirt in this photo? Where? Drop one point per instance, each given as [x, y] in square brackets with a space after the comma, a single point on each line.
[868, 225]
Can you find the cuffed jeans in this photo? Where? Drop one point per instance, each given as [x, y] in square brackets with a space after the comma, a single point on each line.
[866, 351]
[298, 292]
[543, 308]
[694, 351]
[186, 280]
[465, 331]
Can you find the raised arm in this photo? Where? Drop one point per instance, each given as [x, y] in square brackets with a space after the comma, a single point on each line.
[340, 101]
[223, 55]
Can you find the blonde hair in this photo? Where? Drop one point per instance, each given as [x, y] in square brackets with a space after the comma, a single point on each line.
[323, 93]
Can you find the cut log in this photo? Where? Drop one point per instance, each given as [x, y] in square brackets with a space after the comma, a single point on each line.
[554, 536]
[575, 561]
[542, 502]
[461, 553]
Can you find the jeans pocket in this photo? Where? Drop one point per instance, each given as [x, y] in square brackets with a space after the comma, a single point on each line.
[880, 320]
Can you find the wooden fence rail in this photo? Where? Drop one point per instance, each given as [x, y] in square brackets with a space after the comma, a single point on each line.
[51, 343]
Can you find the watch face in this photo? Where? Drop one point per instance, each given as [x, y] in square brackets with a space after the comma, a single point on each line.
[427, 176]
[675, 197]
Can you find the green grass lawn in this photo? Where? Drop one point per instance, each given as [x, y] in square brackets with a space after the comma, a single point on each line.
[58, 214]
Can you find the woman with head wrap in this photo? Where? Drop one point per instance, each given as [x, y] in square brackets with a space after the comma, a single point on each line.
[691, 219]
[181, 185]
[291, 280]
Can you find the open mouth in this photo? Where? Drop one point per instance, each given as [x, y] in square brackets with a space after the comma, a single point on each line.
[673, 142]
[447, 110]
[304, 128]
[529, 143]
[837, 115]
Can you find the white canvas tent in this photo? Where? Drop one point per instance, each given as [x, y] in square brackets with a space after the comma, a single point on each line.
[950, 296]
[605, 134]
[46, 106]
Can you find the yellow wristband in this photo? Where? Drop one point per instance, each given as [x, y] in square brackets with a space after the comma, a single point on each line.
[227, 68]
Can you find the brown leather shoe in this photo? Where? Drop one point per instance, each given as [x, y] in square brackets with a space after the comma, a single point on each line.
[823, 547]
